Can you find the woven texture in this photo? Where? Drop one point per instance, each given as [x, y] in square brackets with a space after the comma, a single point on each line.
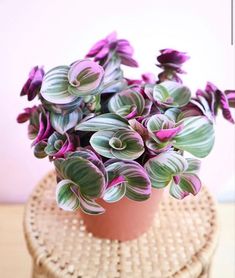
[180, 243]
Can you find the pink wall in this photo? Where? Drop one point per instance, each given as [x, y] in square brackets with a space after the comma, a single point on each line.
[57, 32]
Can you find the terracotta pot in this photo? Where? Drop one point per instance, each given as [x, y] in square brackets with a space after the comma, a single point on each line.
[123, 220]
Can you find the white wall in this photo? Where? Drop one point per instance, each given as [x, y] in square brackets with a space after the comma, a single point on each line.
[56, 32]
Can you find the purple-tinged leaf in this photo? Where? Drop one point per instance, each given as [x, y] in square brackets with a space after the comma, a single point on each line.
[171, 61]
[127, 104]
[27, 114]
[45, 128]
[33, 85]
[224, 105]
[177, 192]
[116, 181]
[110, 47]
[230, 97]
[164, 166]
[149, 78]
[131, 176]
[217, 99]
[140, 128]
[59, 145]
[190, 183]
[157, 148]
[165, 135]
[85, 78]
[171, 58]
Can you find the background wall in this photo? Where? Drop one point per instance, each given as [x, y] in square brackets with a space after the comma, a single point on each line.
[58, 32]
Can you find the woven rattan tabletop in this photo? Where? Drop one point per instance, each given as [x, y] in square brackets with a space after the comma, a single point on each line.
[180, 243]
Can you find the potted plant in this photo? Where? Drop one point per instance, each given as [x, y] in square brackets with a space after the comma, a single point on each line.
[116, 143]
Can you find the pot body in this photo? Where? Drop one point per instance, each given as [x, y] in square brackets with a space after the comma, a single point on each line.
[125, 219]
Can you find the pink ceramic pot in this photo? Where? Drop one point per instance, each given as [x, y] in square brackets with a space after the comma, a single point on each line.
[123, 220]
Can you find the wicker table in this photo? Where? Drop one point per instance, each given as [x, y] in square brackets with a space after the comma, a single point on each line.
[180, 243]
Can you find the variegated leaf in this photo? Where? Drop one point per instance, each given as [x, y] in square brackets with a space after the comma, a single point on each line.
[172, 114]
[193, 165]
[188, 183]
[62, 109]
[123, 144]
[108, 121]
[83, 173]
[85, 77]
[132, 101]
[100, 143]
[62, 123]
[171, 94]
[196, 137]
[152, 145]
[90, 206]
[176, 191]
[91, 156]
[55, 86]
[115, 193]
[138, 127]
[162, 129]
[131, 176]
[65, 197]
[113, 77]
[164, 166]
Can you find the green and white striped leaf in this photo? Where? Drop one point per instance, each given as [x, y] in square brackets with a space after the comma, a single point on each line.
[171, 94]
[62, 108]
[196, 137]
[136, 181]
[83, 173]
[100, 143]
[90, 206]
[55, 86]
[85, 77]
[152, 145]
[139, 128]
[172, 114]
[193, 165]
[107, 121]
[123, 144]
[189, 183]
[65, 196]
[62, 123]
[126, 103]
[69, 198]
[164, 166]
[113, 77]
[156, 122]
[115, 193]
[91, 156]
[177, 192]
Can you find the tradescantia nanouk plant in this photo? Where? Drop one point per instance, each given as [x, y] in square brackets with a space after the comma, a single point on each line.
[110, 136]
